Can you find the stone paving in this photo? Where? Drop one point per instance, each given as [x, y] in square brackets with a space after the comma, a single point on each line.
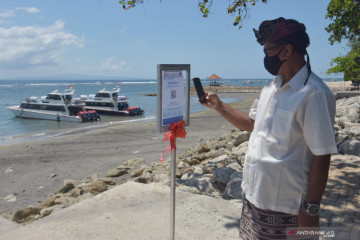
[340, 206]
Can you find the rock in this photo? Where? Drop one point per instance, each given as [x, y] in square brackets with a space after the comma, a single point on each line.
[74, 182]
[185, 188]
[134, 162]
[241, 149]
[25, 214]
[203, 184]
[76, 192]
[145, 178]
[190, 175]
[220, 161]
[236, 175]
[161, 177]
[95, 176]
[122, 167]
[64, 200]
[350, 147]
[233, 189]
[342, 136]
[116, 172]
[192, 161]
[355, 131]
[240, 137]
[140, 171]
[198, 169]
[10, 198]
[182, 164]
[67, 187]
[48, 202]
[222, 175]
[203, 148]
[107, 181]
[46, 211]
[95, 187]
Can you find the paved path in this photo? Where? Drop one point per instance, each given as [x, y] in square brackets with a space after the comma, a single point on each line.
[136, 211]
[341, 202]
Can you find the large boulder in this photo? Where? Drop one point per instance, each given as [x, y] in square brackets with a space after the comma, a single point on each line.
[233, 189]
[350, 147]
[222, 175]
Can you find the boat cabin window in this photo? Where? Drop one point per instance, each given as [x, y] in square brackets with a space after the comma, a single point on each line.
[99, 104]
[43, 107]
[122, 106]
[102, 95]
[67, 97]
[53, 97]
[115, 95]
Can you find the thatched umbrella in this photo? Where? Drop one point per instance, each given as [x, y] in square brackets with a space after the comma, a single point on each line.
[215, 78]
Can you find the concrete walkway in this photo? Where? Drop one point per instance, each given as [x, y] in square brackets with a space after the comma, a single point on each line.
[134, 211]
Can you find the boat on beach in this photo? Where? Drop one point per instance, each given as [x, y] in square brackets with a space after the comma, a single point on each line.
[56, 106]
[110, 103]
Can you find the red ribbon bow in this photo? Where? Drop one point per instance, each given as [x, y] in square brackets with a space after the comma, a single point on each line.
[177, 130]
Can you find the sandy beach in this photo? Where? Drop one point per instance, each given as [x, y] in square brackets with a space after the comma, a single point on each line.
[34, 170]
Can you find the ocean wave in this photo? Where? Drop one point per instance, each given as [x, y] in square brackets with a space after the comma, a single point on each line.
[152, 82]
[48, 84]
[7, 85]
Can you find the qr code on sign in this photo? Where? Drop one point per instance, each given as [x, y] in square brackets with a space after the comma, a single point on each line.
[173, 93]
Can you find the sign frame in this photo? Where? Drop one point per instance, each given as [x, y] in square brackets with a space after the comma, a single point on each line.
[186, 109]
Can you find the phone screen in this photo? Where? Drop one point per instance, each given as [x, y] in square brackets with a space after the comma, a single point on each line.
[199, 90]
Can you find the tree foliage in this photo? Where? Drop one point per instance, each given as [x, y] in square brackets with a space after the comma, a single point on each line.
[238, 8]
[345, 16]
[348, 64]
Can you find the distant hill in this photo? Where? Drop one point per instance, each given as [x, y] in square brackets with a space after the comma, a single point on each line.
[75, 77]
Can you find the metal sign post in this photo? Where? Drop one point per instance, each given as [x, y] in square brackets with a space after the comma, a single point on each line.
[172, 106]
[172, 193]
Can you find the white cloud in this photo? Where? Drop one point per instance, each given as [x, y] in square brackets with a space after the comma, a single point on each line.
[7, 13]
[110, 65]
[31, 10]
[33, 46]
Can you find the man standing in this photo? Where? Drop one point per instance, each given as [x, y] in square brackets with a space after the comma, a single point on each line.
[288, 156]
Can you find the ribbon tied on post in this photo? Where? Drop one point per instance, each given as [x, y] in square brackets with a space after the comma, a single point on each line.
[177, 130]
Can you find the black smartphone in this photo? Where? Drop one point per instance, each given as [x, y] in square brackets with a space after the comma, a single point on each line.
[199, 90]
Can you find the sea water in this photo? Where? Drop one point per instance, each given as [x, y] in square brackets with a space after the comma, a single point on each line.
[13, 92]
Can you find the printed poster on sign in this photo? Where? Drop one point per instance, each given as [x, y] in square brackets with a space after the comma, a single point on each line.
[172, 96]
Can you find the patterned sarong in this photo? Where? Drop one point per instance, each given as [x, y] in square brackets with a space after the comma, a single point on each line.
[259, 224]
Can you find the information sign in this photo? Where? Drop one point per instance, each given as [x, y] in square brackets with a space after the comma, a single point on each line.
[173, 94]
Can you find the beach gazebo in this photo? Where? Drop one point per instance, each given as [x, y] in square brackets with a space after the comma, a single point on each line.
[214, 80]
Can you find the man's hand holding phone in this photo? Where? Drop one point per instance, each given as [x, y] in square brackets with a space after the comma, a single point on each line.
[207, 99]
[212, 100]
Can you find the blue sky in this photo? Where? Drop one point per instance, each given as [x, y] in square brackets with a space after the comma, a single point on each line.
[97, 37]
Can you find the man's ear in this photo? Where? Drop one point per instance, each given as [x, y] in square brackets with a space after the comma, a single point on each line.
[288, 51]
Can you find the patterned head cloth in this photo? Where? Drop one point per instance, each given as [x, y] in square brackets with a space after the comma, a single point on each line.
[273, 30]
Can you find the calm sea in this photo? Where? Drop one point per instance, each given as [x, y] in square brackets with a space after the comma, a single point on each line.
[13, 92]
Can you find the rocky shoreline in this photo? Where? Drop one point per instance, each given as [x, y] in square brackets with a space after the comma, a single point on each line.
[212, 167]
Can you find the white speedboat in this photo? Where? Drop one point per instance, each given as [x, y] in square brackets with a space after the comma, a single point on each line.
[55, 106]
[110, 103]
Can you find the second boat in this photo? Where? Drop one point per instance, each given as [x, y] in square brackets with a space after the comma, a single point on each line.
[110, 103]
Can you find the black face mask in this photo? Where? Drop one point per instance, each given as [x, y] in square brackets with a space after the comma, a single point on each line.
[273, 63]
